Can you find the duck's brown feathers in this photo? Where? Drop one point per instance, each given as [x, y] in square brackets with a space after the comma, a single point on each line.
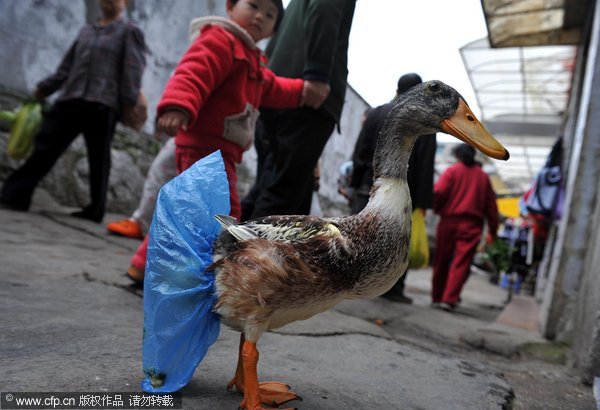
[257, 278]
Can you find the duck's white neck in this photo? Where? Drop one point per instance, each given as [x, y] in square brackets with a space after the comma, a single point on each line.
[390, 196]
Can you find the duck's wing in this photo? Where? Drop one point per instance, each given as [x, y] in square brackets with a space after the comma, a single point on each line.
[285, 228]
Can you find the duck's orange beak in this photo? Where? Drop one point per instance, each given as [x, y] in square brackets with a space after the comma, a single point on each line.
[467, 128]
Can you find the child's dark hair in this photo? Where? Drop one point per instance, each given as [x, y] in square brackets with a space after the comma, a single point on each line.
[278, 4]
[465, 154]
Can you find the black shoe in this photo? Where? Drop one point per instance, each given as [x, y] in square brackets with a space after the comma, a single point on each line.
[398, 297]
[87, 215]
[4, 204]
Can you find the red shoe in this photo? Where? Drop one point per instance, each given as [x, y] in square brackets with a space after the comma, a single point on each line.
[135, 274]
[126, 227]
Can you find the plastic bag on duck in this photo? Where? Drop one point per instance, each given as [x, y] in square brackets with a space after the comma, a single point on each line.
[179, 323]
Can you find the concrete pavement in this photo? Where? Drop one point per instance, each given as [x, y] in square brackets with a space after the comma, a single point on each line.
[72, 322]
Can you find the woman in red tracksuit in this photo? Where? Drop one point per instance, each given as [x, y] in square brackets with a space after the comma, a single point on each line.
[211, 102]
[464, 198]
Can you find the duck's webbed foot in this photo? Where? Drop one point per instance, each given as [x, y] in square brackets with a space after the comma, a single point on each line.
[255, 394]
[276, 393]
[238, 379]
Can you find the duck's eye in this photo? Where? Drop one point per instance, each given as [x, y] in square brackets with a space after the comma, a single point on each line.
[434, 86]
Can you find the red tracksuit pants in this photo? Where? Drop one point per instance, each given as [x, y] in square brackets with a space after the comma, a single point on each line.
[185, 158]
[456, 243]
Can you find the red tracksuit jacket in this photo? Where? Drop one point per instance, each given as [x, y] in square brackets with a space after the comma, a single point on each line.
[464, 191]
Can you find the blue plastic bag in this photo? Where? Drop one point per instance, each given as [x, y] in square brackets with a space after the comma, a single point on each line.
[179, 324]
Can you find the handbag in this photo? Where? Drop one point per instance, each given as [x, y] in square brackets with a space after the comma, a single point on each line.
[418, 253]
[135, 116]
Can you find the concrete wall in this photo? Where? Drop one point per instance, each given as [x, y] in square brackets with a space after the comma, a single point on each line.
[340, 147]
[585, 352]
[585, 319]
[571, 299]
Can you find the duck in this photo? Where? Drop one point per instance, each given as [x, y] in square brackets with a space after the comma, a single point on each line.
[275, 270]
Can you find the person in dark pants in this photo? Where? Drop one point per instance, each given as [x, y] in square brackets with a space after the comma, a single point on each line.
[311, 43]
[420, 168]
[100, 77]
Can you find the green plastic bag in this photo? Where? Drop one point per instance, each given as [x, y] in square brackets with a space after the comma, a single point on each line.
[24, 129]
[8, 116]
[418, 254]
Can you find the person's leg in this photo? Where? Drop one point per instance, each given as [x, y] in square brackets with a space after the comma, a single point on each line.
[298, 141]
[185, 157]
[138, 262]
[60, 126]
[161, 171]
[396, 293]
[264, 164]
[465, 244]
[358, 202]
[98, 133]
[444, 250]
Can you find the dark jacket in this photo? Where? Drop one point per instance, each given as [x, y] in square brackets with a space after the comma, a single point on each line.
[420, 164]
[104, 65]
[312, 43]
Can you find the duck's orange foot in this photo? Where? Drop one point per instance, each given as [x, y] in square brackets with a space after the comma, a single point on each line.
[273, 394]
[276, 393]
[237, 383]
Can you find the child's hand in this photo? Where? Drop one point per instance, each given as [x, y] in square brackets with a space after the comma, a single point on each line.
[314, 93]
[171, 121]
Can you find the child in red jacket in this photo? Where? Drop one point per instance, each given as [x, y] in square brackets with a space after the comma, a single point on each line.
[211, 102]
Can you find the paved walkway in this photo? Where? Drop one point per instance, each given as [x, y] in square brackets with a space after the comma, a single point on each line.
[72, 322]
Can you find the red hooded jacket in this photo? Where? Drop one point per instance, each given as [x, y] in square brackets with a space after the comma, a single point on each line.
[220, 82]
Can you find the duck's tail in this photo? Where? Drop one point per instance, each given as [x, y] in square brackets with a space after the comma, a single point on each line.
[179, 323]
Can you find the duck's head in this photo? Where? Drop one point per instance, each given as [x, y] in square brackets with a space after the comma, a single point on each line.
[434, 106]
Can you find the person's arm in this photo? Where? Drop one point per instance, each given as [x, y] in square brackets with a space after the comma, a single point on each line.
[421, 169]
[49, 85]
[441, 190]
[202, 69]
[362, 158]
[321, 28]
[133, 64]
[281, 92]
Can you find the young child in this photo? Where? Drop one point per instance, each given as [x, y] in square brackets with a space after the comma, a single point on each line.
[211, 102]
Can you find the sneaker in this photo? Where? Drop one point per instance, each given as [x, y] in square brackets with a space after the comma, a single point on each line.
[126, 227]
[448, 307]
[135, 274]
